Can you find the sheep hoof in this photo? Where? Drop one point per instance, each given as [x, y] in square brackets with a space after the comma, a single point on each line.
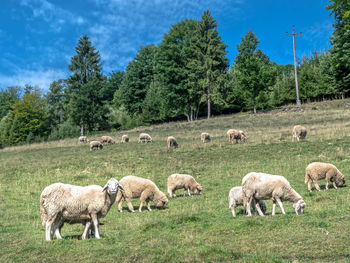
[120, 211]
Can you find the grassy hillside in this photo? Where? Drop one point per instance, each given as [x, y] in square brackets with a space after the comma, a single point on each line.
[191, 229]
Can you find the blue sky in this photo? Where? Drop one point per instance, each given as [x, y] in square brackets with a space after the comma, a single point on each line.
[37, 37]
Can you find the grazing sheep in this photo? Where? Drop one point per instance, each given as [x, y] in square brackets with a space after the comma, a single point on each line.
[125, 138]
[135, 187]
[144, 137]
[237, 135]
[107, 139]
[235, 198]
[83, 139]
[299, 132]
[316, 171]
[96, 144]
[205, 137]
[172, 142]
[61, 203]
[185, 181]
[261, 186]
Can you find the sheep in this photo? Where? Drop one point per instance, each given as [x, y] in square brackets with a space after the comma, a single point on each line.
[83, 139]
[261, 186]
[144, 137]
[299, 132]
[172, 142]
[61, 203]
[205, 137]
[135, 187]
[185, 181]
[107, 139]
[237, 135]
[96, 144]
[235, 198]
[125, 138]
[317, 170]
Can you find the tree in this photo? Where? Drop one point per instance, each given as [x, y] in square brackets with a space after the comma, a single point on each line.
[208, 63]
[7, 98]
[112, 84]
[138, 77]
[55, 98]
[84, 87]
[340, 51]
[252, 70]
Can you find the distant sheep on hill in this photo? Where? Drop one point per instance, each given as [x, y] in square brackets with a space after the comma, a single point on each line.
[95, 145]
[172, 142]
[107, 139]
[125, 138]
[299, 132]
[317, 170]
[83, 139]
[144, 137]
[183, 181]
[237, 135]
[205, 137]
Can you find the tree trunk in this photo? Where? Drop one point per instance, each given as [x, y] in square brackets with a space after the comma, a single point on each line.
[208, 101]
[254, 108]
[82, 129]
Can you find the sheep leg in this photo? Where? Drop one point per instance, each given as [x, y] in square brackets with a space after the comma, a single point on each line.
[281, 205]
[257, 206]
[131, 208]
[95, 222]
[184, 192]
[273, 207]
[148, 206]
[188, 191]
[317, 186]
[58, 231]
[309, 185]
[48, 228]
[233, 208]
[249, 213]
[86, 230]
[327, 182]
[171, 193]
[120, 205]
[141, 205]
[335, 186]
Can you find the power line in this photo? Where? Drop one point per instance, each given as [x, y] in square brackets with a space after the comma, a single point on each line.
[295, 65]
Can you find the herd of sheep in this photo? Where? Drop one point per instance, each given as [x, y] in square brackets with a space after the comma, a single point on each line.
[65, 203]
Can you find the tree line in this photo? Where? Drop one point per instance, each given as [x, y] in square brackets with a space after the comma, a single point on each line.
[186, 76]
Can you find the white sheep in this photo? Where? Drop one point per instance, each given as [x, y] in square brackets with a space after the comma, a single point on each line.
[172, 142]
[144, 137]
[83, 139]
[61, 203]
[299, 132]
[96, 144]
[261, 186]
[183, 181]
[317, 170]
[135, 187]
[235, 198]
[125, 138]
[205, 137]
[107, 139]
[237, 135]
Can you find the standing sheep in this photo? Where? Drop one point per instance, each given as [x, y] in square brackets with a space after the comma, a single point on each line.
[299, 132]
[235, 198]
[261, 186]
[205, 137]
[83, 139]
[172, 142]
[144, 137]
[317, 170]
[125, 138]
[237, 135]
[61, 203]
[185, 181]
[135, 187]
[96, 144]
[107, 139]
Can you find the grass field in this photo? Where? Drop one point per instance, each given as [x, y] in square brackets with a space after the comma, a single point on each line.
[191, 229]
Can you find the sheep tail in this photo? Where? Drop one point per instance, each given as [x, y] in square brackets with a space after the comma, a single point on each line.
[42, 212]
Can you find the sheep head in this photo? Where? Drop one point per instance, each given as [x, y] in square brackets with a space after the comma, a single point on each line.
[112, 186]
[340, 179]
[299, 207]
[197, 189]
[161, 201]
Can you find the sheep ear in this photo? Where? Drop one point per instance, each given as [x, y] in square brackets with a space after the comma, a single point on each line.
[121, 187]
[105, 187]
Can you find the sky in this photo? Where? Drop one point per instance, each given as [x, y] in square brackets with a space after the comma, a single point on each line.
[38, 37]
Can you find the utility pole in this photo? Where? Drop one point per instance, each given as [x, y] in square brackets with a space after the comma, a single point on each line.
[295, 65]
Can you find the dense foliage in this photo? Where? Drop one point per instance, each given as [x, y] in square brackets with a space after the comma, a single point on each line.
[186, 76]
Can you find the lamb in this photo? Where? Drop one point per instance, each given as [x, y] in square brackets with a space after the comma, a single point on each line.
[299, 132]
[317, 170]
[185, 181]
[83, 139]
[135, 187]
[261, 186]
[61, 203]
[144, 137]
[107, 139]
[237, 135]
[235, 198]
[96, 144]
[172, 142]
[125, 138]
[205, 137]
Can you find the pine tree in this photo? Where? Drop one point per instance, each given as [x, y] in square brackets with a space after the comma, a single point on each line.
[84, 87]
[208, 63]
[55, 98]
